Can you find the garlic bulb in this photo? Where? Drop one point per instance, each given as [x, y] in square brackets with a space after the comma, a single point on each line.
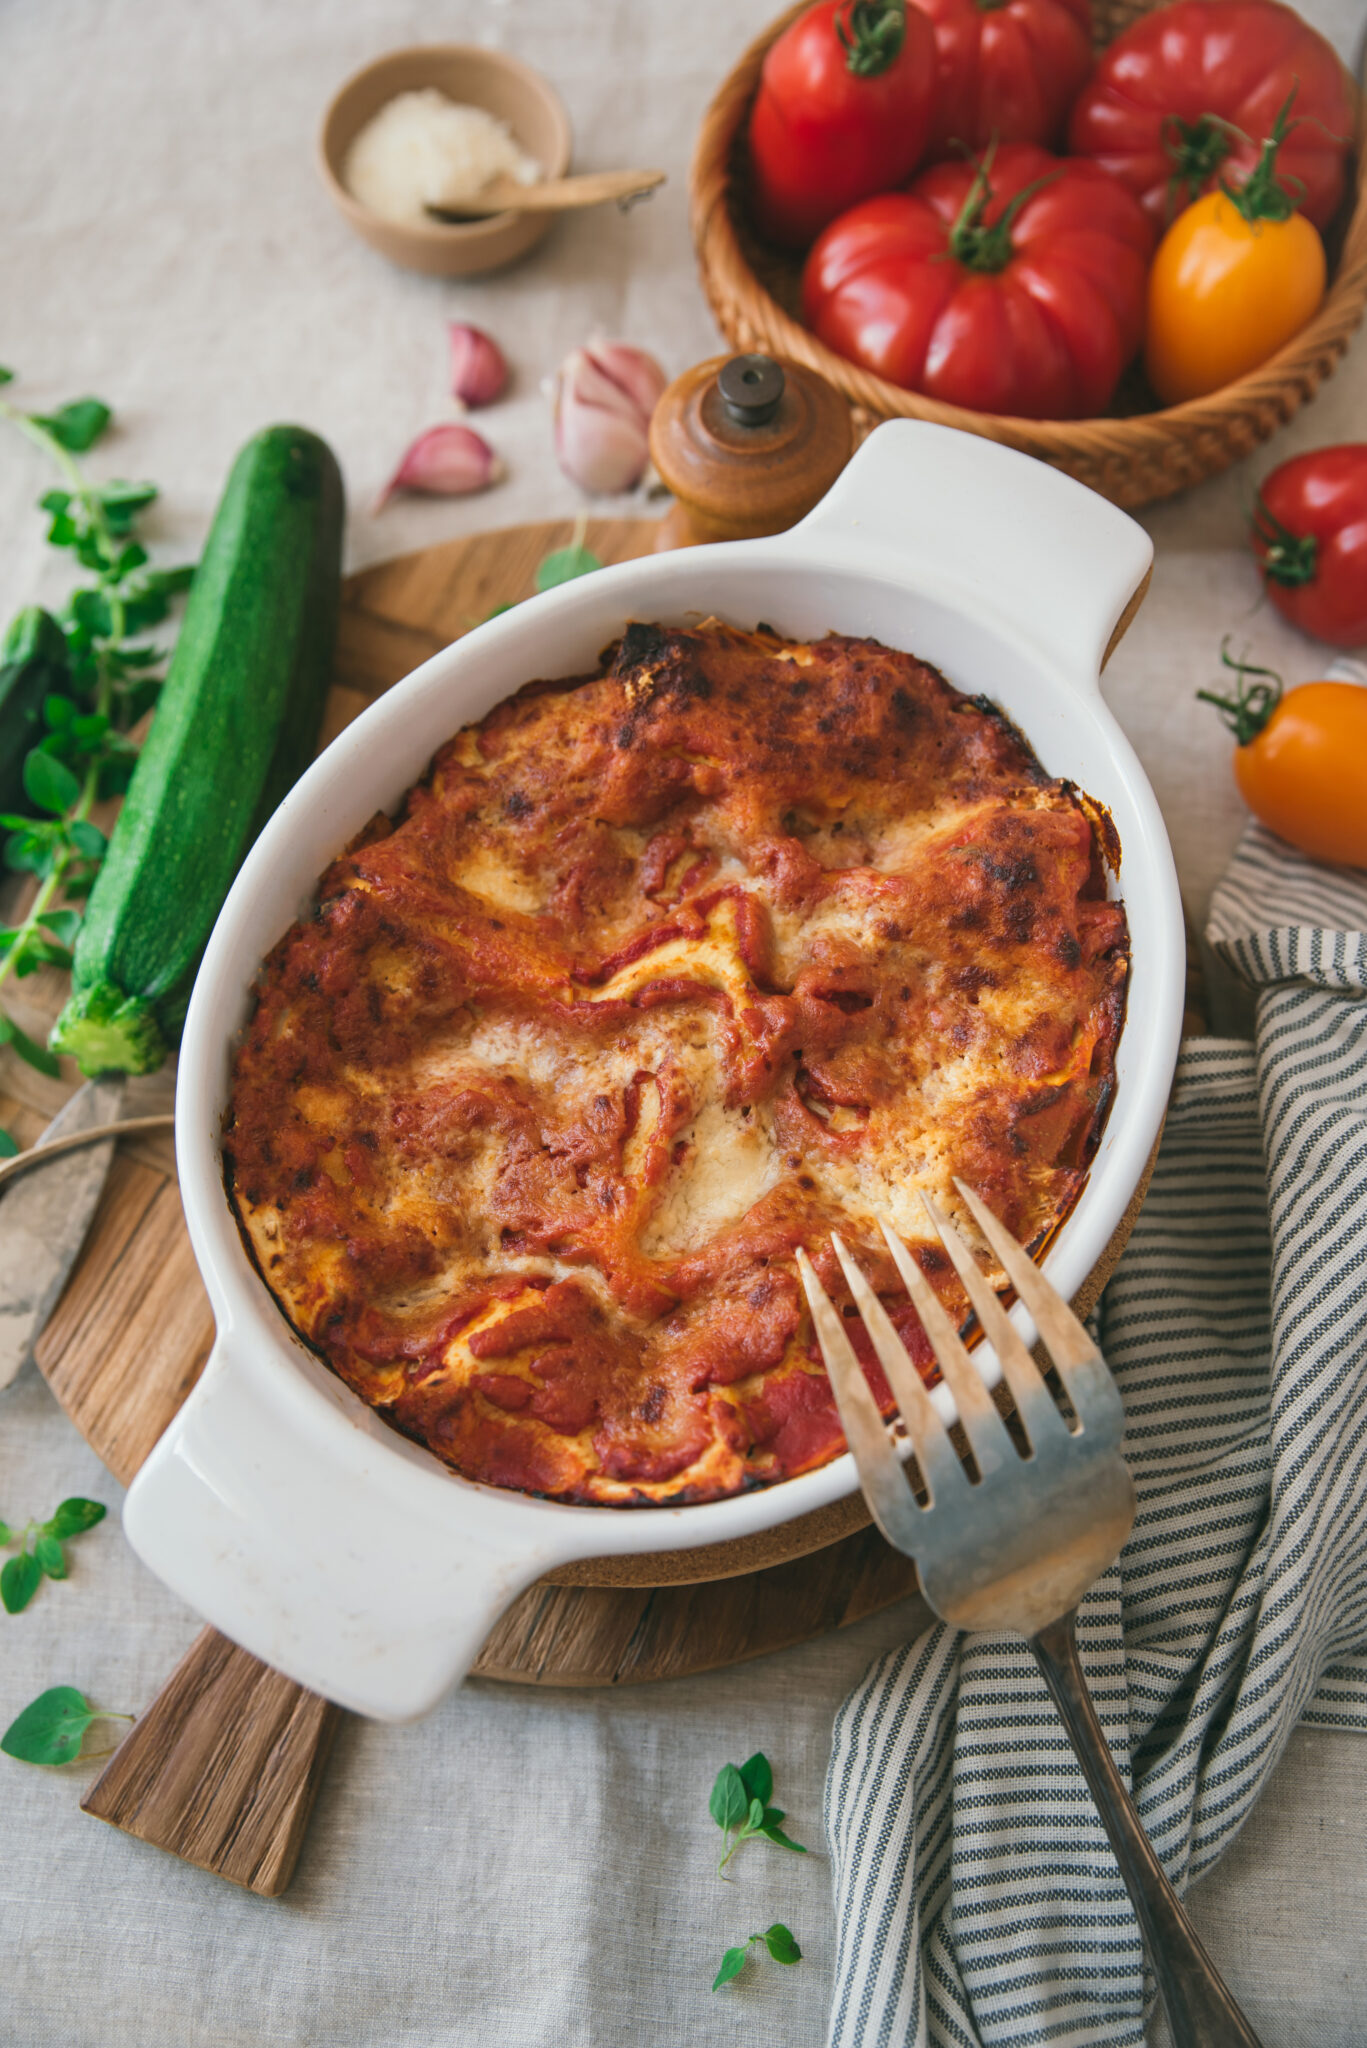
[602, 400]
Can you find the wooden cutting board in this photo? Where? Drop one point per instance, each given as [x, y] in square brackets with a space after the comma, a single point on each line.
[132, 1332]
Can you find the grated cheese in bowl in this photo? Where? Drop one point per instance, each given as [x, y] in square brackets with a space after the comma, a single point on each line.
[422, 149]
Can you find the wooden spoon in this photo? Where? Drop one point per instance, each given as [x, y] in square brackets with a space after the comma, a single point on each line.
[551, 195]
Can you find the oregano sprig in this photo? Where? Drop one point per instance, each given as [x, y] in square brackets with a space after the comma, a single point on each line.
[739, 1804]
[777, 1939]
[52, 1728]
[40, 1551]
[103, 677]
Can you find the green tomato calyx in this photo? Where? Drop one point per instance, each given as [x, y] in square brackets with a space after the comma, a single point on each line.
[871, 34]
[972, 241]
[1286, 558]
[1253, 703]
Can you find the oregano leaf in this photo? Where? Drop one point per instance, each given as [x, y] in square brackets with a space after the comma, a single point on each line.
[754, 1819]
[117, 495]
[732, 1963]
[51, 1729]
[773, 1832]
[49, 783]
[37, 1056]
[758, 1778]
[728, 1804]
[88, 839]
[8, 1148]
[780, 1944]
[63, 924]
[564, 565]
[74, 1516]
[78, 426]
[6, 1533]
[48, 1552]
[19, 1581]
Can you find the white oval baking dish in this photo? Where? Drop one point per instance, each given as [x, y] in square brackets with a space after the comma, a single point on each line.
[277, 1504]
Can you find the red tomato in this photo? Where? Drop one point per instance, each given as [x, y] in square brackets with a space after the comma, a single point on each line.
[1166, 95]
[843, 110]
[1016, 286]
[1006, 69]
[1310, 537]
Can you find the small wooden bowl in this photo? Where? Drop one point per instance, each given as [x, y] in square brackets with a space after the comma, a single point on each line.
[1134, 458]
[480, 78]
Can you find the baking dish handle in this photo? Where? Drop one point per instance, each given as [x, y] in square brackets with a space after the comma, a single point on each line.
[247, 1509]
[994, 530]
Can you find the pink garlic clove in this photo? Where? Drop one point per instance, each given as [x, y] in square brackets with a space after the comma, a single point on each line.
[602, 400]
[632, 370]
[478, 371]
[446, 462]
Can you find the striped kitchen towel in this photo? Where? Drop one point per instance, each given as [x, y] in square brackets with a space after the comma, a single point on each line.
[977, 1898]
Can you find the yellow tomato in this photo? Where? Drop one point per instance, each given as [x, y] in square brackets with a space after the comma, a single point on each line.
[1225, 293]
[1305, 772]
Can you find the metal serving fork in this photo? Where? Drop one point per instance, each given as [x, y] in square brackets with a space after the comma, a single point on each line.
[1018, 1548]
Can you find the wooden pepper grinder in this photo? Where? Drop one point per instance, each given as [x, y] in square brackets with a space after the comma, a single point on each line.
[748, 445]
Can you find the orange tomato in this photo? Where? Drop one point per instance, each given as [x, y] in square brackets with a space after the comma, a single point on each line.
[1224, 293]
[1305, 772]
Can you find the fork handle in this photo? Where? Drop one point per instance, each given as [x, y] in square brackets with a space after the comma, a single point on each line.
[1201, 2012]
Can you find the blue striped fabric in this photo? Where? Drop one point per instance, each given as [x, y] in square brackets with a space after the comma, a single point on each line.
[977, 1899]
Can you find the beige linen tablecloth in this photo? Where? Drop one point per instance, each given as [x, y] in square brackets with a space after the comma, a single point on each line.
[526, 1867]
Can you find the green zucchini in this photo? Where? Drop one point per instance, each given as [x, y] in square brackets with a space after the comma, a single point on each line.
[33, 667]
[235, 726]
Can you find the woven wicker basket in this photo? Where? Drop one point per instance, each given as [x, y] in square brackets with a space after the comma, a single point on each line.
[1134, 457]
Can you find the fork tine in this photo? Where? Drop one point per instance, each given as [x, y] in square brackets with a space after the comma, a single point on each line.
[1068, 1342]
[890, 1498]
[1034, 1403]
[935, 1454]
[982, 1425]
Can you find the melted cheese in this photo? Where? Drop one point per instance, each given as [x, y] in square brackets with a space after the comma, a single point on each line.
[751, 940]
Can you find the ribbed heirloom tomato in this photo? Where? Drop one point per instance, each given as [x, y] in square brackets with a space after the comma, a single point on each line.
[1011, 286]
[1310, 537]
[843, 110]
[1301, 761]
[1006, 70]
[1184, 97]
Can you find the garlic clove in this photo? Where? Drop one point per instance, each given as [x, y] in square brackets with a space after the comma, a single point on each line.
[478, 370]
[632, 370]
[602, 400]
[446, 462]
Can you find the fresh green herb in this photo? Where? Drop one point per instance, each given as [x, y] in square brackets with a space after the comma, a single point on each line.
[52, 1728]
[103, 677]
[777, 1939]
[8, 1145]
[19, 1581]
[40, 1549]
[564, 565]
[740, 1806]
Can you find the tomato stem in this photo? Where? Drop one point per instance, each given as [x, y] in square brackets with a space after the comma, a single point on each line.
[1265, 195]
[1196, 149]
[1287, 558]
[871, 34]
[973, 243]
[1247, 712]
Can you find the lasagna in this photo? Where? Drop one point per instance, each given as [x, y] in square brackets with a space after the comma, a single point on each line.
[660, 973]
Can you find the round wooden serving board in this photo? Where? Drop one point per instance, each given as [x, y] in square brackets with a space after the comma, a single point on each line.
[132, 1331]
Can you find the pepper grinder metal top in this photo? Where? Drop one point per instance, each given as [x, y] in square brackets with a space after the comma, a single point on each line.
[747, 444]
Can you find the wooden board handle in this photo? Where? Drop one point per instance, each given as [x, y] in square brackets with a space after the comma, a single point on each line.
[223, 1767]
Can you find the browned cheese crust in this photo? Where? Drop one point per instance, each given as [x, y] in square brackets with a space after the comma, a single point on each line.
[663, 972]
